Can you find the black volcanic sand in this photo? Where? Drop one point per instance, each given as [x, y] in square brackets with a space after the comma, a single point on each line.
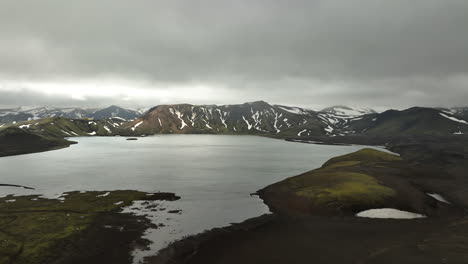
[302, 230]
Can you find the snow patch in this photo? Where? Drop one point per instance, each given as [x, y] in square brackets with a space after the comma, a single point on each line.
[192, 118]
[275, 124]
[22, 126]
[136, 125]
[103, 195]
[293, 110]
[438, 197]
[249, 126]
[454, 119]
[351, 111]
[329, 129]
[65, 132]
[222, 116]
[179, 115]
[92, 133]
[389, 213]
[108, 130]
[300, 133]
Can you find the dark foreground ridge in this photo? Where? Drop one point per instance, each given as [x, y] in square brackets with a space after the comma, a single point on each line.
[314, 213]
[77, 228]
[16, 141]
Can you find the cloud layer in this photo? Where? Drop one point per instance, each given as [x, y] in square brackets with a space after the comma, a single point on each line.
[311, 53]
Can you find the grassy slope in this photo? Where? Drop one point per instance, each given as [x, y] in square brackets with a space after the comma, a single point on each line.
[15, 141]
[347, 184]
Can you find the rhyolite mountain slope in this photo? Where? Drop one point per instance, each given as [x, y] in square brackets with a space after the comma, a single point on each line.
[24, 114]
[249, 118]
[261, 118]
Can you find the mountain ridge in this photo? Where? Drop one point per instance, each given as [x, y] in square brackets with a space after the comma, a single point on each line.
[252, 118]
[19, 114]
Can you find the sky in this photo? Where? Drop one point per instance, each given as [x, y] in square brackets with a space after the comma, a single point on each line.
[309, 53]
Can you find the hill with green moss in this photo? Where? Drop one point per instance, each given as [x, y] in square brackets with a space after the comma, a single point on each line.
[16, 141]
[348, 184]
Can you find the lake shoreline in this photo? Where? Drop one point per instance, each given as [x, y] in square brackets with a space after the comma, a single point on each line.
[285, 237]
[208, 246]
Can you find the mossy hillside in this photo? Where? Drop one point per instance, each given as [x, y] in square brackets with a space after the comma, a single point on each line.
[345, 188]
[341, 183]
[16, 141]
[346, 163]
[30, 225]
[366, 155]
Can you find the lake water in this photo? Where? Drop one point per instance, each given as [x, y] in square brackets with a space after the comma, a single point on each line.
[213, 174]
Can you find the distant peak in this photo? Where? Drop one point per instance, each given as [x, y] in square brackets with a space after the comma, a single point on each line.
[259, 103]
[348, 110]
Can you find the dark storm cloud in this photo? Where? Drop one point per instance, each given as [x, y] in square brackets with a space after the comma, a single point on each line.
[313, 53]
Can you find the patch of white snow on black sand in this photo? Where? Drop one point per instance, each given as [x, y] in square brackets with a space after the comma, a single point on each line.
[389, 213]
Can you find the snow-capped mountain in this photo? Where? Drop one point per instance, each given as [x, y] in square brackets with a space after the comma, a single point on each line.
[64, 127]
[249, 118]
[256, 118]
[346, 111]
[24, 114]
[412, 121]
[115, 111]
[460, 112]
[285, 121]
[337, 118]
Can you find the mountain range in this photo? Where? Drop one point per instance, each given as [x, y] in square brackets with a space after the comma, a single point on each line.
[26, 114]
[255, 118]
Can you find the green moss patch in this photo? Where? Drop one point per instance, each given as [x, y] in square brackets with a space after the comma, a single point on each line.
[343, 184]
[339, 164]
[31, 226]
[366, 155]
[344, 187]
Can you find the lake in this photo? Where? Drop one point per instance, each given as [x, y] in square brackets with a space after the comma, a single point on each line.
[214, 175]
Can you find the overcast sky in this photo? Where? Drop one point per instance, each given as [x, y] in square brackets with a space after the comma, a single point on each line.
[310, 53]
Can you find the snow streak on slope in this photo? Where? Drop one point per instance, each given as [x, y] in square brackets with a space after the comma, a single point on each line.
[454, 119]
[136, 125]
